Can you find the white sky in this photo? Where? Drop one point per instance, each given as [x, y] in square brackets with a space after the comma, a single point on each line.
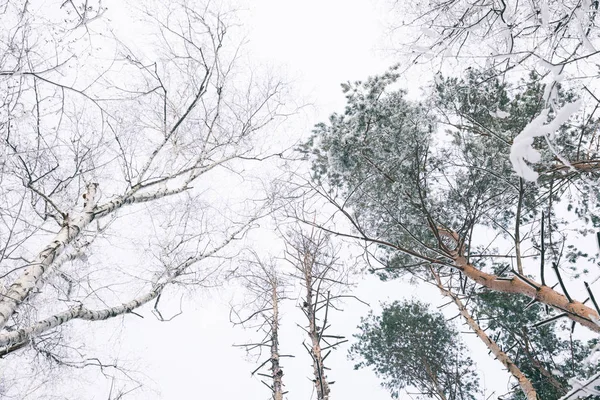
[316, 45]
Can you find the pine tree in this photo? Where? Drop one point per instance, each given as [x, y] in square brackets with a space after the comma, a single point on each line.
[408, 345]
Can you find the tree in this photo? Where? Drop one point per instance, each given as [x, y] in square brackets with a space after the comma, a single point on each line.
[422, 196]
[267, 289]
[545, 354]
[559, 33]
[112, 148]
[419, 196]
[408, 345]
[523, 381]
[323, 278]
[556, 39]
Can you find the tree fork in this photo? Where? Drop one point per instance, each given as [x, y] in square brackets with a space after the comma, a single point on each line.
[575, 310]
[20, 289]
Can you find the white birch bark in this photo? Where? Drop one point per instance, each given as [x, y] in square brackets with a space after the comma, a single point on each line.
[22, 286]
[10, 338]
[31, 277]
[276, 371]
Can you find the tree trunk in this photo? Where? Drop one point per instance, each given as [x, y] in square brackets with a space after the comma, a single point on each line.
[435, 381]
[575, 310]
[24, 284]
[321, 385]
[525, 383]
[276, 371]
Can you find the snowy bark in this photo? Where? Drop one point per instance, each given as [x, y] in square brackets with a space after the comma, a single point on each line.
[8, 339]
[524, 383]
[276, 371]
[32, 274]
[31, 277]
[321, 385]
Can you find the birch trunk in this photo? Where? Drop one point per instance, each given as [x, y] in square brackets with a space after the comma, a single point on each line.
[276, 371]
[32, 274]
[9, 339]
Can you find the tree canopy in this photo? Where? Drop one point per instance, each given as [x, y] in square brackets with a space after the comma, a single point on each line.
[431, 184]
[409, 345]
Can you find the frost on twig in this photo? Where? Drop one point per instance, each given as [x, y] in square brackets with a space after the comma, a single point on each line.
[522, 148]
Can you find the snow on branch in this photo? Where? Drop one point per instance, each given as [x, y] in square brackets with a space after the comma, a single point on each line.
[522, 148]
[583, 389]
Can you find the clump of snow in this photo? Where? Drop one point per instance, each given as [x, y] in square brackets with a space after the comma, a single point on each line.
[499, 114]
[429, 32]
[584, 388]
[585, 41]
[522, 149]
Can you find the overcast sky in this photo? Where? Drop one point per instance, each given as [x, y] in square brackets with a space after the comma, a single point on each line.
[316, 45]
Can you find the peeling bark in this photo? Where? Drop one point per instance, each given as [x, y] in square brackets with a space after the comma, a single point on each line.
[575, 310]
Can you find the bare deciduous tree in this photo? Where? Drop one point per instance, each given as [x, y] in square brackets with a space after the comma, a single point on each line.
[266, 290]
[323, 279]
[116, 150]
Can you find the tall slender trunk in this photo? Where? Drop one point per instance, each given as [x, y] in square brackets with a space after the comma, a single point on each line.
[524, 382]
[276, 371]
[321, 385]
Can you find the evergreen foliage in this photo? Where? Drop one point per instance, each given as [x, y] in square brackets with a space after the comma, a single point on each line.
[409, 345]
[401, 171]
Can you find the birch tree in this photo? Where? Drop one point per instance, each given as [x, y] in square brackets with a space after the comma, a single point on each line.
[113, 142]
